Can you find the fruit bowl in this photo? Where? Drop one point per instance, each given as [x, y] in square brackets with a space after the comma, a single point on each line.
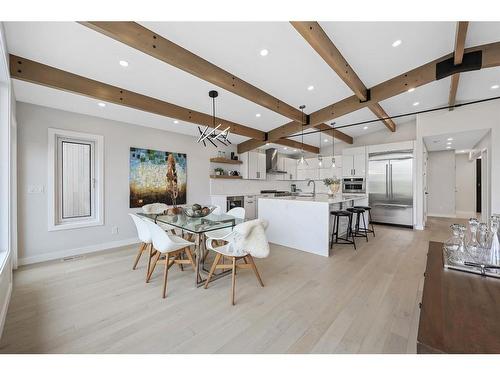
[198, 211]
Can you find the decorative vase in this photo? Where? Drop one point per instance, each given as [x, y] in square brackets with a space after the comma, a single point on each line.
[334, 188]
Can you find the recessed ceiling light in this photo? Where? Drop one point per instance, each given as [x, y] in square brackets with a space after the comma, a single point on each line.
[264, 52]
[285, 148]
[326, 140]
[176, 121]
[449, 143]
[257, 115]
[123, 63]
[295, 150]
[365, 127]
[101, 104]
[397, 43]
[412, 89]
[267, 144]
[450, 139]
[310, 88]
[415, 104]
[448, 147]
[494, 87]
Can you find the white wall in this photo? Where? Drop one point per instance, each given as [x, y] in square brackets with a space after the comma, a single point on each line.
[465, 195]
[36, 243]
[473, 117]
[404, 132]
[441, 183]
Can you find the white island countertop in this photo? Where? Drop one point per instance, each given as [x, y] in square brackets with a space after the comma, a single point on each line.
[323, 198]
[304, 222]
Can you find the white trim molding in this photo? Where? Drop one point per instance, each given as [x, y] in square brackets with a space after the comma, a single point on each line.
[54, 223]
[77, 251]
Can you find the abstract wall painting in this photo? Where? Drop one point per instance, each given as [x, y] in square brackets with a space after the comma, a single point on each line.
[157, 176]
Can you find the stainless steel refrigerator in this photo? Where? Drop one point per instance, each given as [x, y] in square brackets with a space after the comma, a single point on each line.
[390, 187]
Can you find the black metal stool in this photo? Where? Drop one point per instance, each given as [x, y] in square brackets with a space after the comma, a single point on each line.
[370, 224]
[335, 229]
[359, 232]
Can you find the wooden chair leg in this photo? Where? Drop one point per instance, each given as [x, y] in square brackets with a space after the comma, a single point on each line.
[233, 281]
[254, 267]
[155, 260]
[150, 255]
[165, 275]
[189, 255]
[212, 269]
[181, 266]
[139, 253]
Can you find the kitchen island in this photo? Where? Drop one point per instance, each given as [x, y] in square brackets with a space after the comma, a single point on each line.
[304, 223]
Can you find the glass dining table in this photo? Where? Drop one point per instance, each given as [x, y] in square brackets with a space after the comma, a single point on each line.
[198, 227]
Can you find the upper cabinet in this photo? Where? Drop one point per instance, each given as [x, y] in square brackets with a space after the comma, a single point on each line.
[254, 165]
[354, 162]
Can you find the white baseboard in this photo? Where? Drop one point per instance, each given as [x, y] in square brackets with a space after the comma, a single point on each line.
[76, 251]
[465, 214]
[419, 227]
[5, 307]
[442, 215]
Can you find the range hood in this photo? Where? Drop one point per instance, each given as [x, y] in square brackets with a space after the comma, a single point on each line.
[272, 162]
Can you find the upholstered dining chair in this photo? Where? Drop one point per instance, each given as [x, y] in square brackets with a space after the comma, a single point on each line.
[171, 248]
[145, 238]
[246, 241]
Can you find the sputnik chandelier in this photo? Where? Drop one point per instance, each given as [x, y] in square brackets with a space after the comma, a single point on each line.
[212, 135]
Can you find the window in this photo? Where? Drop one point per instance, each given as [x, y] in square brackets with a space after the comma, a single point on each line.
[75, 184]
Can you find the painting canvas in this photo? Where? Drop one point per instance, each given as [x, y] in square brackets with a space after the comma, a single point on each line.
[157, 176]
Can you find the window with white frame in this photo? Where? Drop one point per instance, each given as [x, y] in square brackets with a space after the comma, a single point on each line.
[75, 183]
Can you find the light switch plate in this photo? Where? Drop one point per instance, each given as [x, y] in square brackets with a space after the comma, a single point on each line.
[36, 189]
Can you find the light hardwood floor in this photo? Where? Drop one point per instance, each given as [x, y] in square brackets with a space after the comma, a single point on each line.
[353, 302]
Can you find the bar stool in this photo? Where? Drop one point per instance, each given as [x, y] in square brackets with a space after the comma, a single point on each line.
[335, 229]
[370, 223]
[359, 232]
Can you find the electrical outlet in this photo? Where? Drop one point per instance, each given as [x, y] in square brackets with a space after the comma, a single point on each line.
[36, 189]
[114, 230]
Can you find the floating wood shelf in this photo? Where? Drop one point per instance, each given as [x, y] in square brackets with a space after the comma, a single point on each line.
[225, 161]
[226, 176]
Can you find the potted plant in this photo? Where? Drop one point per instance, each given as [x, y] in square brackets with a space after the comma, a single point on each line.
[219, 171]
[333, 184]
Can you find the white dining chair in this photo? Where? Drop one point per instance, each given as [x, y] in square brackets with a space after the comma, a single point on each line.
[219, 234]
[246, 241]
[145, 238]
[171, 247]
[217, 210]
[158, 209]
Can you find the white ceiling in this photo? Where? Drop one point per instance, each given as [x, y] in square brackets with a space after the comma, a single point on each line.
[459, 141]
[285, 72]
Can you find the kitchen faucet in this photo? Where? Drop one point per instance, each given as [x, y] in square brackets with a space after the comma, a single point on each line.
[314, 186]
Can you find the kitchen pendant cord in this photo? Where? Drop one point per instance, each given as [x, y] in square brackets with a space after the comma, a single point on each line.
[393, 117]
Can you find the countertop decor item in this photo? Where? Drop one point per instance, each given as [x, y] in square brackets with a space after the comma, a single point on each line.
[333, 184]
[477, 256]
[197, 210]
[219, 171]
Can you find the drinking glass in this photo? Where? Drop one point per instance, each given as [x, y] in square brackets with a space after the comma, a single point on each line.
[494, 244]
[483, 243]
[454, 244]
[473, 249]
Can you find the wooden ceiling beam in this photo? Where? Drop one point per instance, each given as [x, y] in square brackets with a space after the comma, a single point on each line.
[149, 42]
[458, 55]
[397, 85]
[35, 72]
[314, 34]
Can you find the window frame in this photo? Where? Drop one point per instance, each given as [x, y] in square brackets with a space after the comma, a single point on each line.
[54, 185]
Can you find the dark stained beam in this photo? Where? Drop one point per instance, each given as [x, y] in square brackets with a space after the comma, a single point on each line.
[458, 55]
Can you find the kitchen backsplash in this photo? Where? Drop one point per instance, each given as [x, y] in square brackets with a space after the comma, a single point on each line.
[245, 187]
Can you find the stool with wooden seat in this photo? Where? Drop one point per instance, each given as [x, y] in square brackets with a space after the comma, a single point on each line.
[349, 237]
[358, 231]
[371, 229]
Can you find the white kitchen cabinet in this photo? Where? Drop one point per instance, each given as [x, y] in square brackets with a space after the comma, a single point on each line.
[254, 165]
[250, 206]
[354, 162]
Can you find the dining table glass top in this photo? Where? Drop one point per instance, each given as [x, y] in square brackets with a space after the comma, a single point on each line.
[198, 224]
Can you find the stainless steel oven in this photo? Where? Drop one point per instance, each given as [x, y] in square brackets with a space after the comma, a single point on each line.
[236, 201]
[353, 185]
